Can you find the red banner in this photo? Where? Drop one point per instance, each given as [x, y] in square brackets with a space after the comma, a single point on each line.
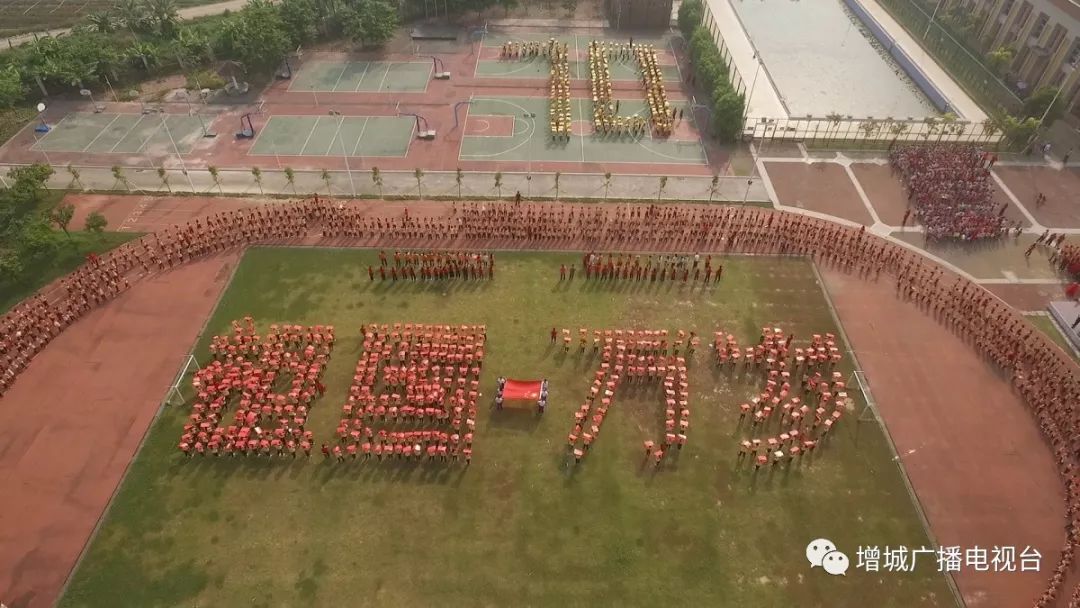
[522, 389]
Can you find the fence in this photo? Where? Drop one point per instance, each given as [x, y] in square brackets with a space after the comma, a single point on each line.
[980, 83]
[404, 184]
[737, 81]
[863, 132]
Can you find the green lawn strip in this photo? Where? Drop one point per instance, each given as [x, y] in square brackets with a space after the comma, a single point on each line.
[71, 253]
[1049, 326]
[518, 527]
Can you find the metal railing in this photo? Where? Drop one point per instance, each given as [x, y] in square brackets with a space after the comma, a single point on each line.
[859, 132]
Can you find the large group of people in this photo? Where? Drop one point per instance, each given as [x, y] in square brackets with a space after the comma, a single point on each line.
[1043, 374]
[949, 187]
[560, 116]
[433, 265]
[647, 267]
[637, 357]
[253, 397]
[652, 78]
[413, 394]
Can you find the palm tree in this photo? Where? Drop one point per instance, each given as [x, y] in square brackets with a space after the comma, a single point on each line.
[558, 175]
[257, 174]
[458, 178]
[714, 186]
[215, 174]
[161, 16]
[660, 190]
[419, 174]
[102, 21]
[75, 175]
[376, 178]
[897, 129]
[498, 183]
[607, 184]
[290, 178]
[132, 13]
[164, 175]
[143, 54]
[118, 174]
[326, 177]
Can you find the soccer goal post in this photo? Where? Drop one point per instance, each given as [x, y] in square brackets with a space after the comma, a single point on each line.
[180, 390]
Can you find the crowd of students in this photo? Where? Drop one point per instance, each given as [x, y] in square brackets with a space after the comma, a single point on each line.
[647, 267]
[652, 78]
[560, 116]
[950, 189]
[1043, 374]
[434, 265]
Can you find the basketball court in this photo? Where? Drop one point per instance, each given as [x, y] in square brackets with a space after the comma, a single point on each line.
[362, 77]
[387, 136]
[515, 129]
[110, 133]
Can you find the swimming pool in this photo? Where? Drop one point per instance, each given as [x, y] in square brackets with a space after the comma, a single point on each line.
[823, 61]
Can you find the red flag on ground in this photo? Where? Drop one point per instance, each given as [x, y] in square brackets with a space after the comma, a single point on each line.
[522, 389]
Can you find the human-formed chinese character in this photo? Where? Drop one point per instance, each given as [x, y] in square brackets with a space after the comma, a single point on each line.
[868, 558]
[1030, 559]
[896, 559]
[949, 559]
[923, 550]
[975, 558]
[1003, 559]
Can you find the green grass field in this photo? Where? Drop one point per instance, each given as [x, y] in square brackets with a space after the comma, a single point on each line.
[519, 527]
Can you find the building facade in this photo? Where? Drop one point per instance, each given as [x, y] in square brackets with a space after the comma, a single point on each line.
[1045, 37]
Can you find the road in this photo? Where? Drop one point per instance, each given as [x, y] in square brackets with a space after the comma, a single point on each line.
[190, 12]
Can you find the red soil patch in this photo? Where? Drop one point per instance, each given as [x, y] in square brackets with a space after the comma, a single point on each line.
[150, 213]
[490, 126]
[952, 419]
[821, 187]
[885, 192]
[67, 443]
[1060, 188]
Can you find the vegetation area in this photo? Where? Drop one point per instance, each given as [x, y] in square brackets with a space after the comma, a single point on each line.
[711, 72]
[520, 526]
[37, 241]
[952, 39]
[1049, 326]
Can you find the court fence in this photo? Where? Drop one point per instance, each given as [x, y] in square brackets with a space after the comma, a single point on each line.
[472, 185]
[872, 133]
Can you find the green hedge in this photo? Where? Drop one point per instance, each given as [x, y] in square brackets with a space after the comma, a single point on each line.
[712, 73]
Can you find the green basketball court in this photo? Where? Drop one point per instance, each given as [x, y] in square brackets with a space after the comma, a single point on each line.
[387, 136]
[108, 132]
[362, 77]
[531, 139]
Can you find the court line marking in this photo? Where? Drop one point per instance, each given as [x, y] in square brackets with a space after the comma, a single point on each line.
[148, 137]
[310, 133]
[361, 136]
[101, 132]
[382, 83]
[528, 121]
[337, 135]
[582, 138]
[356, 89]
[130, 129]
[345, 66]
[51, 130]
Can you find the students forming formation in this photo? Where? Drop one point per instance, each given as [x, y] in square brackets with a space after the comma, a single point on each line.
[560, 118]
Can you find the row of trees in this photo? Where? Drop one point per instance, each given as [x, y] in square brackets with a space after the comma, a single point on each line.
[29, 239]
[138, 39]
[711, 73]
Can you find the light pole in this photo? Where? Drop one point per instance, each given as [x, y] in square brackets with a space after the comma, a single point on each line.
[344, 153]
[176, 150]
[88, 94]
[931, 22]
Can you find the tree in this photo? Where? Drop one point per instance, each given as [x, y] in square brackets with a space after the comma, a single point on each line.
[132, 14]
[118, 175]
[714, 186]
[61, 216]
[370, 22]
[11, 87]
[660, 190]
[37, 242]
[215, 175]
[257, 174]
[162, 17]
[300, 18]
[256, 35]
[290, 178]
[96, 223]
[326, 177]
[999, 60]
[607, 183]
[143, 55]
[419, 175]
[498, 183]
[75, 177]
[458, 178]
[690, 14]
[164, 175]
[728, 107]
[1037, 103]
[376, 178]
[558, 176]
[103, 22]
